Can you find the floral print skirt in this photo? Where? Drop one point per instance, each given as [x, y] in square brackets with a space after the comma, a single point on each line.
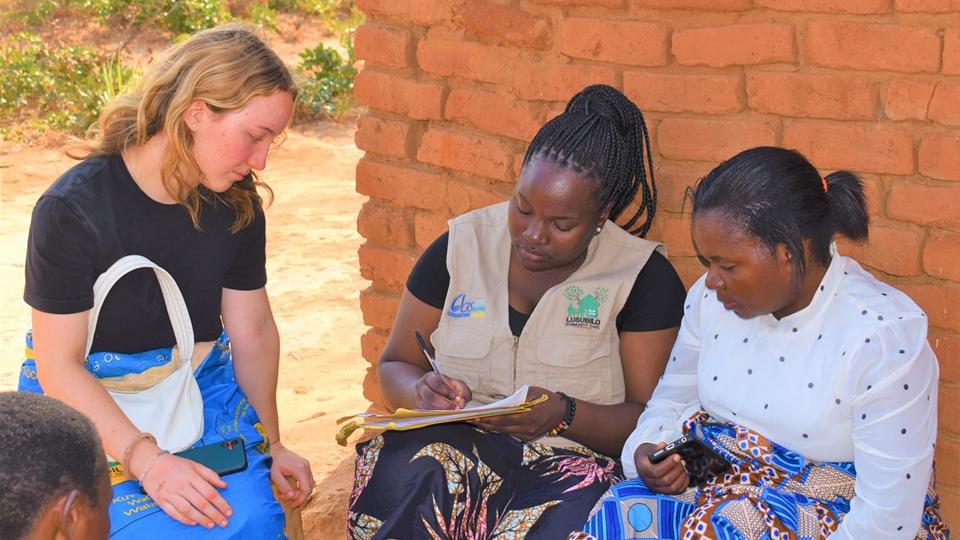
[456, 481]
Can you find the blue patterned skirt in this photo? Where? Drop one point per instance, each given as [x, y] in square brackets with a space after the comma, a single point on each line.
[769, 492]
[227, 414]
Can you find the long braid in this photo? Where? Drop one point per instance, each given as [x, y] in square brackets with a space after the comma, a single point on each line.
[603, 134]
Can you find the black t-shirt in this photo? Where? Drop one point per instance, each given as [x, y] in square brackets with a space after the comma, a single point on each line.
[655, 302]
[95, 214]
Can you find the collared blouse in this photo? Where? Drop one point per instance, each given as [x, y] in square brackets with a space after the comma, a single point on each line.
[850, 377]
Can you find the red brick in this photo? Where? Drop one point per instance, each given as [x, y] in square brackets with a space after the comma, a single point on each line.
[495, 112]
[941, 303]
[559, 82]
[428, 226]
[372, 343]
[812, 96]
[927, 6]
[829, 6]
[382, 224]
[592, 3]
[877, 252]
[941, 255]
[402, 185]
[949, 503]
[947, 349]
[383, 136]
[698, 5]
[504, 23]
[673, 179]
[907, 99]
[948, 410]
[612, 40]
[874, 193]
[422, 12]
[711, 140]
[386, 268]
[392, 47]
[689, 268]
[869, 46]
[735, 44]
[669, 92]
[947, 459]
[859, 148]
[452, 57]
[379, 308]
[927, 204]
[951, 52]
[675, 233]
[468, 152]
[463, 197]
[420, 100]
[939, 155]
[945, 104]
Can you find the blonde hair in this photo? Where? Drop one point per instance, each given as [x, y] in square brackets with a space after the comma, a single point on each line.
[224, 67]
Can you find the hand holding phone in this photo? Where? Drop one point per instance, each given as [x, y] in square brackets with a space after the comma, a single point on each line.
[701, 462]
[223, 458]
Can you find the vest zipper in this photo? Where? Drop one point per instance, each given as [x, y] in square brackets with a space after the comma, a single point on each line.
[516, 345]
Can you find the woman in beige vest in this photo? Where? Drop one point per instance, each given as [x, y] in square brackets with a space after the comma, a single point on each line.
[544, 290]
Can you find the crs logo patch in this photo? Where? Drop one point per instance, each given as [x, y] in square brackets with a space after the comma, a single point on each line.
[461, 308]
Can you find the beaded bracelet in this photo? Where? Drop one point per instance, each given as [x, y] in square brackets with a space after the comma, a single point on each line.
[142, 436]
[567, 418]
[147, 468]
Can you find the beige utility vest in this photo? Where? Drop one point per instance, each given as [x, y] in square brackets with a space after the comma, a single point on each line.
[570, 343]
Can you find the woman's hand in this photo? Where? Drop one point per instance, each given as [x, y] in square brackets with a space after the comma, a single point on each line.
[438, 392]
[531, 424]
[668, 477]
[187, 491]
[286, 462]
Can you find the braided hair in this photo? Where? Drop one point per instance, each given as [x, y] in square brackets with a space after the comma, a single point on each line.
[603, 134]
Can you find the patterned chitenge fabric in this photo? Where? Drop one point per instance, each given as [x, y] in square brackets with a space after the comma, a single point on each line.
[769, 492]
[455, 481]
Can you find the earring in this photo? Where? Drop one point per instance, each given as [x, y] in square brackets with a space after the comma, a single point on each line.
[599, 228]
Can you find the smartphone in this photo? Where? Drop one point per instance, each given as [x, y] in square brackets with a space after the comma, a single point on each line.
[701, 461]
[223, 457]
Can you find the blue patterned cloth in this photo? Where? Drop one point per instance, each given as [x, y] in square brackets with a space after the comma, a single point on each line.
[769, 492]
[227, 414]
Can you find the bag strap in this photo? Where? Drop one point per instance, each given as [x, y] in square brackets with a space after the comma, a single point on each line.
[172, 298]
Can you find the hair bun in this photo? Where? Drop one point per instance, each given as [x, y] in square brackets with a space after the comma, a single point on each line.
[606, 101]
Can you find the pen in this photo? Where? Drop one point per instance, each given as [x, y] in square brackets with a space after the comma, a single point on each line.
[426, 352]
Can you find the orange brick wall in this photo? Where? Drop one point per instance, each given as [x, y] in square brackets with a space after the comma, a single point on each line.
[455, 88]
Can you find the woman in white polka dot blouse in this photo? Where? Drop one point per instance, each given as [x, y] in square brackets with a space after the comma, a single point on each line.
[810, 377]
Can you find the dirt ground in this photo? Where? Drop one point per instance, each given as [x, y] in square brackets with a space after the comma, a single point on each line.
[314, 282]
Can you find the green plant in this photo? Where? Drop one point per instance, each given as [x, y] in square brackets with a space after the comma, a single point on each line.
[60, 88]
[263, 16]
[178, 16]
[327, 83]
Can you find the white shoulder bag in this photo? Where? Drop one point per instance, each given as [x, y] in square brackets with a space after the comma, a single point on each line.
[171, 409]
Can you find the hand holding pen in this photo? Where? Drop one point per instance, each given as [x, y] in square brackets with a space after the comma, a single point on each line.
[441, 392]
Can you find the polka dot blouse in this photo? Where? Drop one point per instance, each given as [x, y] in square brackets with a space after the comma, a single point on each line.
[848, 378]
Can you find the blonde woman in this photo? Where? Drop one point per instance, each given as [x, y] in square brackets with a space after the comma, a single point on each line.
[171, 177]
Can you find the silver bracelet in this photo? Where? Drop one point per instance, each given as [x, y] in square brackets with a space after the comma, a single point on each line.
[147, 468]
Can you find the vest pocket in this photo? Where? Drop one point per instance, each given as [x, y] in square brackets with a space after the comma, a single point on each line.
[578, 366]
[464, 355]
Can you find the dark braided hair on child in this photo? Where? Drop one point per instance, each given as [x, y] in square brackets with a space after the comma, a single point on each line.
[602, 133]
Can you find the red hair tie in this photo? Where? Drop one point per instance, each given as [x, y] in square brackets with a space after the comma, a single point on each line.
[823, 182]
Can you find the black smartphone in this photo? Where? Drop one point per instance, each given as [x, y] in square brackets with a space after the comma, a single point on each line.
[223, 457]
[701, 461]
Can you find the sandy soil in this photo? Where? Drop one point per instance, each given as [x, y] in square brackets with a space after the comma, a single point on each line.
[314, 283]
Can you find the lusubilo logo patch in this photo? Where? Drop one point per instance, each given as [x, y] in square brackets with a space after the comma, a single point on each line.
[583, 310]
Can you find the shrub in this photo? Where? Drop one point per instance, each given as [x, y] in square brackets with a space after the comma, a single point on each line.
[327, 83]
[62, 88]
